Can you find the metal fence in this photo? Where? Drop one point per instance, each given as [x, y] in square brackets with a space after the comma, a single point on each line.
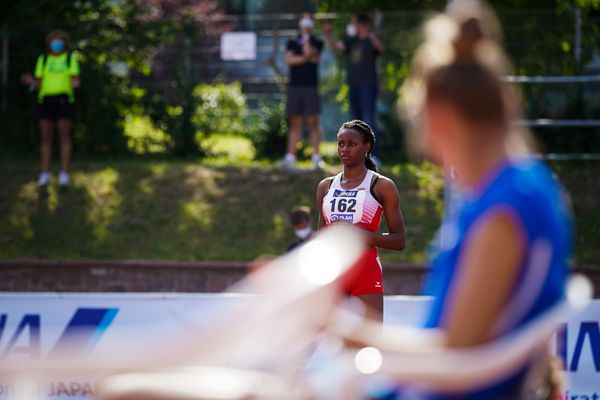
[539, 42]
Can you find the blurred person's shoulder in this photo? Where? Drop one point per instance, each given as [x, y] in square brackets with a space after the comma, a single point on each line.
[528, 186]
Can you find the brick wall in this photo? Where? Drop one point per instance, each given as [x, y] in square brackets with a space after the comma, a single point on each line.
[32, 275]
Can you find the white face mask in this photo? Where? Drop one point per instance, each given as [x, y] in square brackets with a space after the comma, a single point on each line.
[351, 30]
[306, 23]
[303, 233]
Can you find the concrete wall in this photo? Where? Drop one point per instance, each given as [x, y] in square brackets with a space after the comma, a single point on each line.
[32, 275]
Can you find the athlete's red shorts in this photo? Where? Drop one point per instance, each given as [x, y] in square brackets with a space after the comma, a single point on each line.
[365, 276]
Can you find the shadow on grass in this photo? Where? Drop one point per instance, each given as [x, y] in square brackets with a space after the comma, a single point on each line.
[182, 210]
[43, 222]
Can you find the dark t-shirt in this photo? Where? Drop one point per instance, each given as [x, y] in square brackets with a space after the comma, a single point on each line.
[362, 62]
[297, 242]
[306, 74]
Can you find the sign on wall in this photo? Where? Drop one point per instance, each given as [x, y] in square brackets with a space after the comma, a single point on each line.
[238, 46]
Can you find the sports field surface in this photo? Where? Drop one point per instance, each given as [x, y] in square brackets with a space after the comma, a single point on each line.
[189, 210]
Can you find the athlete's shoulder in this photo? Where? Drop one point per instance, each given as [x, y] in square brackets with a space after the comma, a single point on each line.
[383, 182]
[525, 179]
[325, 184]
[384, 190]
[329, 180]
[529, 188]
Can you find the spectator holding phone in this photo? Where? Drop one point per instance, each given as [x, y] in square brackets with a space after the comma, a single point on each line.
[303, 103]
[362, 47]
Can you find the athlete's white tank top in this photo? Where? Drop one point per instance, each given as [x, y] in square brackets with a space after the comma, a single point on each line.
[356, 205]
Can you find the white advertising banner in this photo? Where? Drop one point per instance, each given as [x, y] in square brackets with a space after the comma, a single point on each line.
[112, 325]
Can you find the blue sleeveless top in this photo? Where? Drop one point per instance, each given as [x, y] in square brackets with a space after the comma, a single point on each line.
[528, 190]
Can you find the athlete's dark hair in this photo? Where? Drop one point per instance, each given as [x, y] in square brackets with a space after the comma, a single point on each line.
[368, 136]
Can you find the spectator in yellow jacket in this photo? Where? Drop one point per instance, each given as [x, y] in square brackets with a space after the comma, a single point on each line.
[56, 76]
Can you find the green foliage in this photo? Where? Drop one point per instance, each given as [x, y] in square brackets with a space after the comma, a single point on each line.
[206, 110]
[176, 120]
[229, 150]
[101, 31]
[144, 138]
[268, 130]
[221, 109]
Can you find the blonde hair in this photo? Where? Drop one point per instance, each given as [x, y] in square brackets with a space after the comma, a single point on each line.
[462, 61]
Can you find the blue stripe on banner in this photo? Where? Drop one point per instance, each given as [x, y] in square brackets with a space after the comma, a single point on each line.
[83, 331]
[108, 318]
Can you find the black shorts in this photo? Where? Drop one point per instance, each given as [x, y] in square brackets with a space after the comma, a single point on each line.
[55, 108]
[303, 101]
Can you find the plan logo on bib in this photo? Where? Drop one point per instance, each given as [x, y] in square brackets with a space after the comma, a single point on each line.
[341, 217]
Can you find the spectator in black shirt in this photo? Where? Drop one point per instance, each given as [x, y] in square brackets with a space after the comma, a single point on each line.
[302, 56]
[362, 48]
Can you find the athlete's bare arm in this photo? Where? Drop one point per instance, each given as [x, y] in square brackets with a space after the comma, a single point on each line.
[387, 194]
[489, 265]
[322, 189]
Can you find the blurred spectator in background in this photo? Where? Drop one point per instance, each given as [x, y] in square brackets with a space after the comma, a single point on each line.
[303, 102]
[362, 48]
[302, 223]
[56, 76]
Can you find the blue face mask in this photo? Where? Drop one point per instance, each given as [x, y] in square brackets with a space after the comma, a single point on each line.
[57, 45]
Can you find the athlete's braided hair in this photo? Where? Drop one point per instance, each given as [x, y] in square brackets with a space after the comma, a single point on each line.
[368, 135]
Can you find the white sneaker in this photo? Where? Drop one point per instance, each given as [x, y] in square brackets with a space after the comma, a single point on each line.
[44, 178]
[289, 163]
[318, 163]
[63, 178]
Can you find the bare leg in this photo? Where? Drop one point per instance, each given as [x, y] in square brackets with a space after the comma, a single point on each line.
[46, 130]
[64, 129]
[294, 126]
[374, 305]
[373, 313]
[314, 128]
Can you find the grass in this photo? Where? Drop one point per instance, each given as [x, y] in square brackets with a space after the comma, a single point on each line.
[213, 210]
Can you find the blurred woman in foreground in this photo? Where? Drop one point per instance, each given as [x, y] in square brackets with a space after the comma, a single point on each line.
[503, 260]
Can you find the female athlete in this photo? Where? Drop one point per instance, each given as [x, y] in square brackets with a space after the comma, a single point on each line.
[359, 195]
[504, 258]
